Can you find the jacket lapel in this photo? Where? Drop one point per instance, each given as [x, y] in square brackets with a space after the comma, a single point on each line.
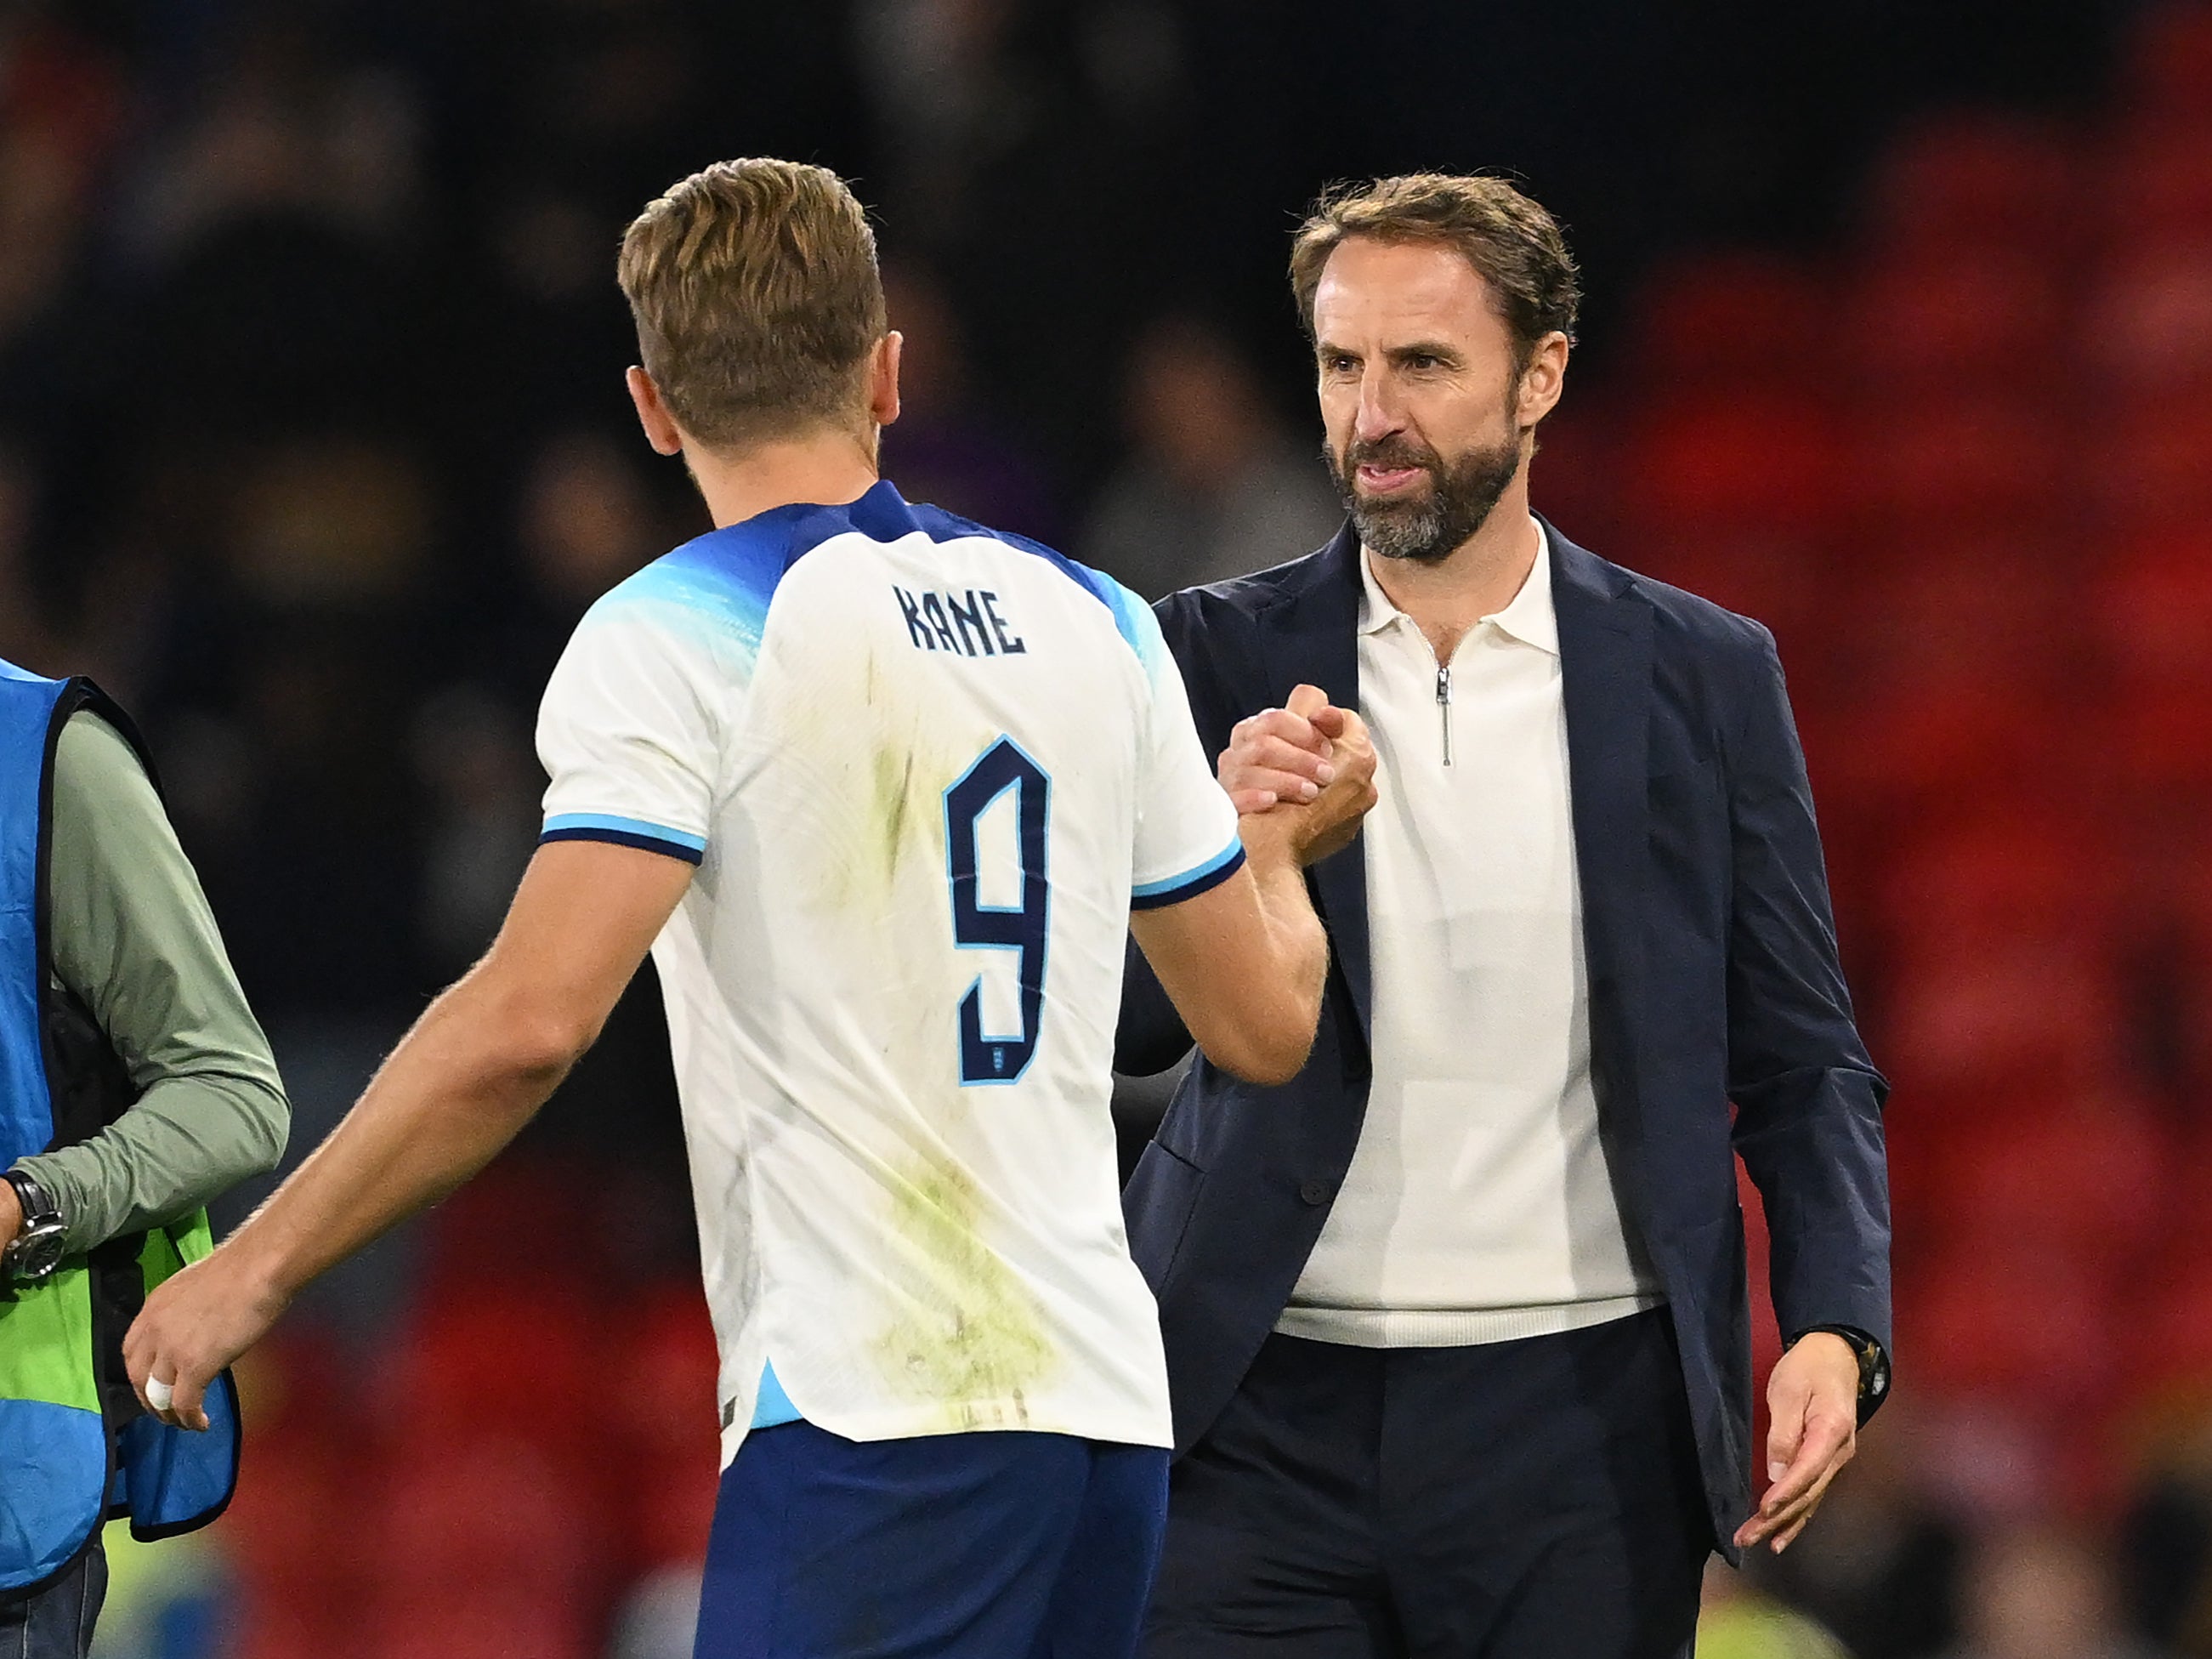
[1605, 663]
[1313, 635]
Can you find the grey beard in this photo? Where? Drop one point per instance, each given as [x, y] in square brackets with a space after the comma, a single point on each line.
[1461, 500]
[1418, 533]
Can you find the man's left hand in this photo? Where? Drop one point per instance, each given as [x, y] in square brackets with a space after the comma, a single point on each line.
[194, 1323]
[1813, 1399]
[11, 1215]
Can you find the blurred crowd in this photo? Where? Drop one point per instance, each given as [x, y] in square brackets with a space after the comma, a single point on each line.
[312, 451]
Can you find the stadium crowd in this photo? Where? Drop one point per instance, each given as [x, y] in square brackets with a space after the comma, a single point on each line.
[312, 450]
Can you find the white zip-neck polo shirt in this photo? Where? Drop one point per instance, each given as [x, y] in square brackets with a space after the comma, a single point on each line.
[1479, 1206]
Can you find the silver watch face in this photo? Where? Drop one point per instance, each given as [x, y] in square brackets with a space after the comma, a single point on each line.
[36, 1253]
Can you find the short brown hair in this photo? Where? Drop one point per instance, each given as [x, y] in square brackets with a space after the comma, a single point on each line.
[1514, 245]
[756, 297]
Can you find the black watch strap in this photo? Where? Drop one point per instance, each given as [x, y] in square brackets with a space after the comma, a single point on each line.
[37, 1204]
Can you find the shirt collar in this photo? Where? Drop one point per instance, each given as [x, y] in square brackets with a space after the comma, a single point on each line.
[1529, 618]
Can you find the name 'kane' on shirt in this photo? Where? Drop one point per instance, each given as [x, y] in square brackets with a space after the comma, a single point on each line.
[957, 622]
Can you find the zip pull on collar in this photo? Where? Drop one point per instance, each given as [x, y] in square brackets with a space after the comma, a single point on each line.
[1443, 706]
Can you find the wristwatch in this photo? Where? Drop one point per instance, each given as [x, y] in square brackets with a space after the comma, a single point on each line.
[32, 1255]
[1874, 1363]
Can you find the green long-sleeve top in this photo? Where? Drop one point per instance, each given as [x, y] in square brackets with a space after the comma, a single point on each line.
[132, 935]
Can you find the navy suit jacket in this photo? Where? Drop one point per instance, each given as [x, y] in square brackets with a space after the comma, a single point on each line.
[1713, 982]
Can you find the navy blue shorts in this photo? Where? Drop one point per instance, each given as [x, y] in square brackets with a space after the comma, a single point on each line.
[990, 1545]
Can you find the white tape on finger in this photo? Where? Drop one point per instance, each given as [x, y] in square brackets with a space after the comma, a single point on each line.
[159, 1394]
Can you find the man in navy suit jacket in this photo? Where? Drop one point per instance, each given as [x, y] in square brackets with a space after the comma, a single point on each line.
[1457, 1321]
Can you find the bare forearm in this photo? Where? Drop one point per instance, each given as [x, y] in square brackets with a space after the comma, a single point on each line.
[470, 1074]
[459, 1086]
[1298, 942]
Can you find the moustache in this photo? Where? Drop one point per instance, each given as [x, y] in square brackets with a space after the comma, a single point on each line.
[1392, 452]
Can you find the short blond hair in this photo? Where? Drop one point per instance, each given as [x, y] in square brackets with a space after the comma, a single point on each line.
[755, 290]
[1515, 245]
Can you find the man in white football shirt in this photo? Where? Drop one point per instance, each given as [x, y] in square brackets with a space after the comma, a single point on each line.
[881, 790]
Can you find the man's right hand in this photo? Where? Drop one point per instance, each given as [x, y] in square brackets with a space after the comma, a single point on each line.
[1310, 762]
[1244, 963]
[1282, 755]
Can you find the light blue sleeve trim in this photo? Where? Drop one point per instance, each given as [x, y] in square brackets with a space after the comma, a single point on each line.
[772, 1406]
[560, 822]
[1191, 883]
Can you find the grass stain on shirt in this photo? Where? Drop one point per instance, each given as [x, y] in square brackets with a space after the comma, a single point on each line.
[879, 819]
[971, 1337]
[894, 805]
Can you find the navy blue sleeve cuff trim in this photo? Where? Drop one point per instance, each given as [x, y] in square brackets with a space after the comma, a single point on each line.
[625, 838]
[1210, 877]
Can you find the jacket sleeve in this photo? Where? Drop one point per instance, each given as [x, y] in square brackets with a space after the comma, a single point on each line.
[1809, 1100]
[132, 937]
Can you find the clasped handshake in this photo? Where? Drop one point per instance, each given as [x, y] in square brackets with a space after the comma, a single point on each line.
[1311, 757]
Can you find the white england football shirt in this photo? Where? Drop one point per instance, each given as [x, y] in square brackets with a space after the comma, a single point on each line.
[926, 769]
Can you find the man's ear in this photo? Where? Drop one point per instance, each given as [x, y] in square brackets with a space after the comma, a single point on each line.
[884, 378]
[660, 428]
[1543, 380]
